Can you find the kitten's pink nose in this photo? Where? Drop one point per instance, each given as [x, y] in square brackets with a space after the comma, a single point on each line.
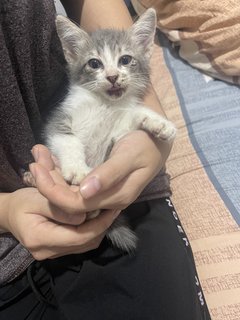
[112, 79]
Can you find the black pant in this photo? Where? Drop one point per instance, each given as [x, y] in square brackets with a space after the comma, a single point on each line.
[159, 281]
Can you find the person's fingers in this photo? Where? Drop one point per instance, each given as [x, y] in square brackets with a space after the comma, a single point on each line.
[57, 240]
[134, 151]
[71, 201]
[122, 194]
[107, 175]
[54, 253]
[69, 236]
[40, 206]
[43, 156]
[59, 195]
[60, 216]
[133, 162]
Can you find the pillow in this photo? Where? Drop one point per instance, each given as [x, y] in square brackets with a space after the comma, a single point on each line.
[207, 32]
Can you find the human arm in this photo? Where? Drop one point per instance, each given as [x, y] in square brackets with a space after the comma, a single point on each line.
[45, 228]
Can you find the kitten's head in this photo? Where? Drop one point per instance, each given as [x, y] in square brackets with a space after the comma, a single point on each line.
[111, 63]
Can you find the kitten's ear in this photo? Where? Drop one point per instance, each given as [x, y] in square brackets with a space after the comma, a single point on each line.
[143, 31]
[72, 37]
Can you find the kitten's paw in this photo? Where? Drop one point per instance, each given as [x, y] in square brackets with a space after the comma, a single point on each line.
[74, 174]
[28, 179]
[160, 128]
[93, 214]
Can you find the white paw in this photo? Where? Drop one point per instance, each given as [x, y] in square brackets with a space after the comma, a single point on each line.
[74, 174]
[160, 128]
[93, 214]
[28, 179]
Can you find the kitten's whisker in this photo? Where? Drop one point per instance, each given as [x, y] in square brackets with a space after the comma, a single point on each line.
[91, 85]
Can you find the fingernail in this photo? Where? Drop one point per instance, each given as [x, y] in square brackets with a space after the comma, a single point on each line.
[34, 152]
[90, 187]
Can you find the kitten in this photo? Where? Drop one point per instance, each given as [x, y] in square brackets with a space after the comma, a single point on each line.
[109, 74]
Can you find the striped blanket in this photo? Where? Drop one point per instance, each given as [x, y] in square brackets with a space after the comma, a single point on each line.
[205, 177]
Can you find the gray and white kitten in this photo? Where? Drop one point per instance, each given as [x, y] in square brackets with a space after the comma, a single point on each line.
[109, 74]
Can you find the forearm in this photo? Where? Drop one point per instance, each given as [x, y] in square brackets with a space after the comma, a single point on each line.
[92, 14]
[104, 14]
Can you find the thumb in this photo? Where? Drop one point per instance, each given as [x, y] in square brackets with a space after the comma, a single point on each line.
[58, 194]
[106, 175]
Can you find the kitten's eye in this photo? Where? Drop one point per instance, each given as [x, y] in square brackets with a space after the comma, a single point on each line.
[95, 63]
[124, 60]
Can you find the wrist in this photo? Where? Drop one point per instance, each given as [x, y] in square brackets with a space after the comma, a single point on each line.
[4, 211]
[163, 147]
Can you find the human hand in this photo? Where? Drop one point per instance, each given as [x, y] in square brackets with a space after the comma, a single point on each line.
[133, 163]
[116, 183]
[30, 221]
[46, 230]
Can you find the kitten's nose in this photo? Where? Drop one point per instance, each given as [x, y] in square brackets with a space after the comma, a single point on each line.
[112, 79]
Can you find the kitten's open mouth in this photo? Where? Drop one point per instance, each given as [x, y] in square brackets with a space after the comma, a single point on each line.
[115, 92]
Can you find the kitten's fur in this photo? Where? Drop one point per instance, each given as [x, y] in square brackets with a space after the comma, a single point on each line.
[104, 101]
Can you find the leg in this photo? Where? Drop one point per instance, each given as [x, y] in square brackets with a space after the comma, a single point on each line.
[153, 123]
[157, 282]
[71, 154]
[18, 301]
[145, 119]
